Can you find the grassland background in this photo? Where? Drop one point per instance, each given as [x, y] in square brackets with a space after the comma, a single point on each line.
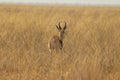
[91, 44]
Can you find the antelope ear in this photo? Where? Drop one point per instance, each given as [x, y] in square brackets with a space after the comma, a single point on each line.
[58, 27]
[64, 27]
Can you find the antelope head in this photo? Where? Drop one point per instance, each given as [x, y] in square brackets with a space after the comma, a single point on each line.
[61, 30]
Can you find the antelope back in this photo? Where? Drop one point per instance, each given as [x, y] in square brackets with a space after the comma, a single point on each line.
[55, 43]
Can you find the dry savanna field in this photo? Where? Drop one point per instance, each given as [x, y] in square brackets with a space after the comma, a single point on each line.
[91, 48]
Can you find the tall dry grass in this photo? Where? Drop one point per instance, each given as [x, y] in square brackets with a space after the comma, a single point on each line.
[91, 44]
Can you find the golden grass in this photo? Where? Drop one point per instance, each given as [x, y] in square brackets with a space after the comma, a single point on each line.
[91, 44]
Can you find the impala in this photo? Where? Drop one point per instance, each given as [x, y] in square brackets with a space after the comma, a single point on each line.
[56, 42]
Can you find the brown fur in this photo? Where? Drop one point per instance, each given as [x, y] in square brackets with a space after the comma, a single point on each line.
[56, 42]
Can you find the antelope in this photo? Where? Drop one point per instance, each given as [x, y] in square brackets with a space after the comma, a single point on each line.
[56, 42]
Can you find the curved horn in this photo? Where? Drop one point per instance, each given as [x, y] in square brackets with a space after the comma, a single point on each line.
[59, 26]
[64, 26]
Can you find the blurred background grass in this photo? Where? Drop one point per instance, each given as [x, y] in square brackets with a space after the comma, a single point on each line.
[91, 44]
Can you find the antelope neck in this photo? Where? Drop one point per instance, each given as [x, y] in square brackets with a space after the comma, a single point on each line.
[61, 36]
